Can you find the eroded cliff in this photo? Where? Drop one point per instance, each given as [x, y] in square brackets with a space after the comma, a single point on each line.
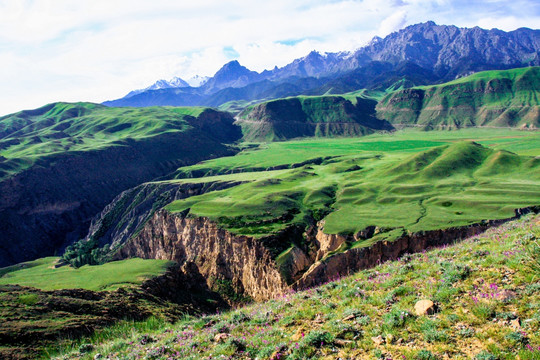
[219, 258]
[226, 261]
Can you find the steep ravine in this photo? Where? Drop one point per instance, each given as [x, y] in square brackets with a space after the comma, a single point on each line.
[219, 256]
[50, 204]
[243, 262]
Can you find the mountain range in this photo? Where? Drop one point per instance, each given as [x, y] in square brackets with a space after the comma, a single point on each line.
[420, 54]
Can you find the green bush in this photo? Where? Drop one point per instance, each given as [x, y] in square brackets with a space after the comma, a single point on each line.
[425, 355]
[318, 338]
[396, 318]
[485, 355]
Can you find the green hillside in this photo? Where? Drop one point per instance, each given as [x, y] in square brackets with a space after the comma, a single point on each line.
[406, 182]
[485, 291]
[307, 116]
[32, 135]
[509, 98]
[62, 163]
[407, 185]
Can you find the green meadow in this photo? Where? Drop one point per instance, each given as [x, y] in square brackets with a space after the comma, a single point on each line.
[405, 181]
[43, 274]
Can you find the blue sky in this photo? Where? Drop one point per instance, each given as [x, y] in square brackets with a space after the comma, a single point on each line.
[95, 50]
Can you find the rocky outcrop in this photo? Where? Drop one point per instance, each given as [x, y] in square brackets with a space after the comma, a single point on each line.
[129, 211]
[221, 258]
[350, 261]
[209, 257]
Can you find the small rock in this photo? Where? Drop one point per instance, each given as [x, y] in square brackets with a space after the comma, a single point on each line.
[399, 341]
[508, 295]
[98, 356]
[515, 324]
[378, 340]
[342, 342]
[221, 337]
[389, 338]
[424, 307]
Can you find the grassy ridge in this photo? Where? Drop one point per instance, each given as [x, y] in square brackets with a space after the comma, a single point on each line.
[409, 181]
[62, 163]
[30, 135]
[486, 290]
[509, 98]
[43, 275]
[321, 116]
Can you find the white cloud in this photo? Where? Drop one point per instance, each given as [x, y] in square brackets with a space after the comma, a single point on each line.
[93, 50]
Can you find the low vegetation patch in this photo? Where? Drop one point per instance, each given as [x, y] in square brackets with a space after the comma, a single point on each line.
[492, 314]
[48, 274]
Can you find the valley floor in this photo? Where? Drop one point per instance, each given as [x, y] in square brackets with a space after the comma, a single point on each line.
[485, 290]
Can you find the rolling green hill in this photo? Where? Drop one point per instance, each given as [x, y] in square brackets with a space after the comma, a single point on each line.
[306, 116]
[509, 98]
[62, 163]
[407, 188]
[377, 188]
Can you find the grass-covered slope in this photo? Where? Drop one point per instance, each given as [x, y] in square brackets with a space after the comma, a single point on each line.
[62, 163]
[509, 98]
[408, 181]
[46, 274]
[411, 185]
[320, 116]
[486, 292]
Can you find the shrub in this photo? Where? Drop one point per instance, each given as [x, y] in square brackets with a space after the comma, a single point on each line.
[483, 311]
[318, 338]
[485, 355]
[396, 318]
[517, 338]
[466, 332]
[425, 355]
[454, 272]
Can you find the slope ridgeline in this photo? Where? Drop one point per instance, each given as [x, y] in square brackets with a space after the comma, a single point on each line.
[509, 98]
[321, 116]
[62, 163]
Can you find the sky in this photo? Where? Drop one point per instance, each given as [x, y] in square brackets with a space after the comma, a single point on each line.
[97, 50]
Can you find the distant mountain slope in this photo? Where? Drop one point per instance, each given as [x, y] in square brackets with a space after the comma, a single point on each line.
[310, 116]
[417, 55]
[62, 163]
[509, 98]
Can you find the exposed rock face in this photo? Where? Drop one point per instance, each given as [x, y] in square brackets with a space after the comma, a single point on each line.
[452, 51]
[130, 210]
[241, 261]
[350, 261]
[213, 255]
